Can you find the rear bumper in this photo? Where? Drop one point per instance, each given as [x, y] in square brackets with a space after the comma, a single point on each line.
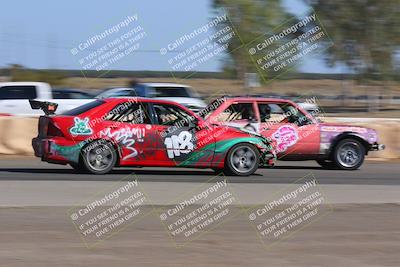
[377, 147]
[43, 150]
[40, 147]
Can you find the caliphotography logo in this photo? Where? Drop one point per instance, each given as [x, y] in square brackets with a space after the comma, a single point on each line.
[289, 211]
[199, 211]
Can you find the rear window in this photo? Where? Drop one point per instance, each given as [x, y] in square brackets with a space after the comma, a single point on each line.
[172, 91]
[82, 109]
[18, 92]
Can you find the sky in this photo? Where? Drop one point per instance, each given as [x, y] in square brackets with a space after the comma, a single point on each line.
[42, 34]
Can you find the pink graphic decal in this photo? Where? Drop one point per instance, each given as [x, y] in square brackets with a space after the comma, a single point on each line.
[343, 129]
[285, 137]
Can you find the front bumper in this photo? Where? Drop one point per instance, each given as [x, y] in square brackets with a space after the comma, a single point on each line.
[377, 147]
[268, 159]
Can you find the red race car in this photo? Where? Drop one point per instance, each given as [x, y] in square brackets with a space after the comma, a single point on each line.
[113, 132]
[294, 133]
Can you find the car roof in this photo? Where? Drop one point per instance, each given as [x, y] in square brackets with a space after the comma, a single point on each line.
[255, 98]
[165, 85]
[143, 99]
[118, 100]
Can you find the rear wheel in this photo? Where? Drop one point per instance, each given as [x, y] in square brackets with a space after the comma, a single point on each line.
[242, 160]
[349, 154]
[99, 157]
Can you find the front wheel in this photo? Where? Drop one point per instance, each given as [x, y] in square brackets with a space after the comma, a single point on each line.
[99, 157]
[349, 154]
[242, 160]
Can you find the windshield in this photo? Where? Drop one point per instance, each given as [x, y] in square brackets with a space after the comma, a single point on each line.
[207, 111]
[81, 109]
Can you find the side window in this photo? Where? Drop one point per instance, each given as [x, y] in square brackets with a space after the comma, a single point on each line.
[18, 92]
[282, 113]
[237, 112]
[170, 115]
[270, 112]
[128, 112]
[294, 115]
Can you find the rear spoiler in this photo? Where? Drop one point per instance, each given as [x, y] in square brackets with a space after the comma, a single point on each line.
[48, 108]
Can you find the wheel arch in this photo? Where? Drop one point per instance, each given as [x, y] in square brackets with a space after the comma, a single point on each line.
[254, 144]
[110, 141]
[348, 135]
[228, 170]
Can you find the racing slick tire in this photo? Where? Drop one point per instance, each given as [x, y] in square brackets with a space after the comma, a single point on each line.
[242, 160]
[98, 157]
[348, 154]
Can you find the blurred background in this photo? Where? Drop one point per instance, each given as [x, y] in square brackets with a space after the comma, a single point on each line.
[358, 76]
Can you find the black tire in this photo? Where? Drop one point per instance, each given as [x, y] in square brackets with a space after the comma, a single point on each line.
[242, 160]
[77, 167]
[348, 154]
[327, 164]
[98, 157]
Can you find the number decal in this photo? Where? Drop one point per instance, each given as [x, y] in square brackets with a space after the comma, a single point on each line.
[177, 144]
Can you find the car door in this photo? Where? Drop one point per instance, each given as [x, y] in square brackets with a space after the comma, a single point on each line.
[181, 141]
[291, 132]
[129, 125]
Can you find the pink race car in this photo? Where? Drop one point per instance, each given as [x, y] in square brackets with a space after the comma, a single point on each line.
[295, 134]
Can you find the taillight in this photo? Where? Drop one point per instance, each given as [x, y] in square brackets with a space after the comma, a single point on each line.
[52, 130]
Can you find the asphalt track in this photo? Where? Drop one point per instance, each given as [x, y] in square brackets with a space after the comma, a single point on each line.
[371, 173]
[359, 230]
